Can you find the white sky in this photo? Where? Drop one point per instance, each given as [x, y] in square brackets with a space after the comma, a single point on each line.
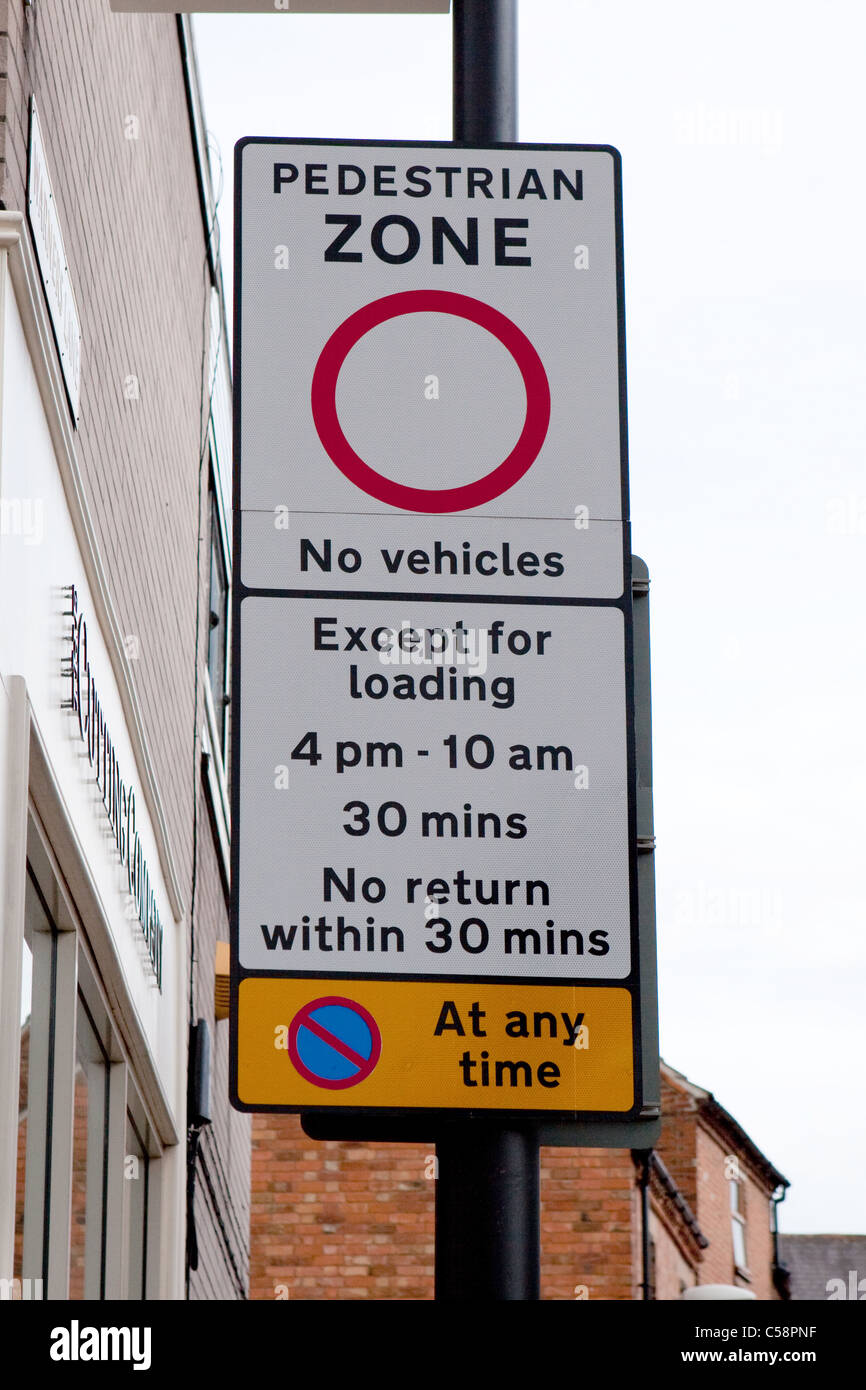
[740, 129]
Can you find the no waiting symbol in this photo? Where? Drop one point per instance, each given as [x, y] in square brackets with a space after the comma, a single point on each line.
[334, 1042]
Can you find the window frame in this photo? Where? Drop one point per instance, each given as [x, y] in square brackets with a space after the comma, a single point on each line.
[48, 1177]
[738, 1212]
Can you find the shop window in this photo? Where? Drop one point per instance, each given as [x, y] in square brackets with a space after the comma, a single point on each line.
[136, 1174]
[24, 1063]
[35, 1092]
[87, 1156]
[91, 1118]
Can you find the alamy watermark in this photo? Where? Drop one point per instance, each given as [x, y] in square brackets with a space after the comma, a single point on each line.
[459, 645]
[20, 1290]
[730, 126]
[854, 1288]
[730, 906]
[23, 517]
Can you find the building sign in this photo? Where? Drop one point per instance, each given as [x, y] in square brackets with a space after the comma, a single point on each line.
[118, 797]
[434, 882]
[48, 243]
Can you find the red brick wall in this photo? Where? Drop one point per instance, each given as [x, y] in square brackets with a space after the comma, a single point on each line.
[673, 1271]
[589, 1224]
[676, 1148]
[339, 1221]
[714, 1216]
[759, 1241]
[343, 1222]
[700, 1164]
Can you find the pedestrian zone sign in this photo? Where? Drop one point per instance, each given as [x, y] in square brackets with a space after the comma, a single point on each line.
[434, 894]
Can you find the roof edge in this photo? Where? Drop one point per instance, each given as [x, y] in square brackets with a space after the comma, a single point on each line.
[725, 1126]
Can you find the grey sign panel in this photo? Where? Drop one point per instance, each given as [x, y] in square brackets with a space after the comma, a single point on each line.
[430, 330]
[411, 765]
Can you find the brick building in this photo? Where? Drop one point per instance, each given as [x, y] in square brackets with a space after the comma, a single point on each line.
[115, 567]
[731, 1188]
[341, 1221]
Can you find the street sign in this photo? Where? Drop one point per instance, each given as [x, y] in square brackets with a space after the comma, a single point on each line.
[451, 814]
[434, 876]
[456, 321]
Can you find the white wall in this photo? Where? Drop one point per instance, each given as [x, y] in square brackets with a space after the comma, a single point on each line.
[39, 556]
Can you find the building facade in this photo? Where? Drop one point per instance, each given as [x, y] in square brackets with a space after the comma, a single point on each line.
[728, 1184]
[349, 1221]
[115, 566]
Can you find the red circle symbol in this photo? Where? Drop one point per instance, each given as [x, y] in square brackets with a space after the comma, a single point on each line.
[334, 1042]
[421, 499]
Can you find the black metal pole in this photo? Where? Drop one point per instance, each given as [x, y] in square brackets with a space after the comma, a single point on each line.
[487, 1190]
[485, 71]
[487, 1214]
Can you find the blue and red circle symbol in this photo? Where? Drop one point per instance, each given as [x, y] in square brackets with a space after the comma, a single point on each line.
[323, 398]
[334, 1042]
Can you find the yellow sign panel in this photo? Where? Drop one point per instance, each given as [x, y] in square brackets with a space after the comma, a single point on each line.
[434, 1045]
